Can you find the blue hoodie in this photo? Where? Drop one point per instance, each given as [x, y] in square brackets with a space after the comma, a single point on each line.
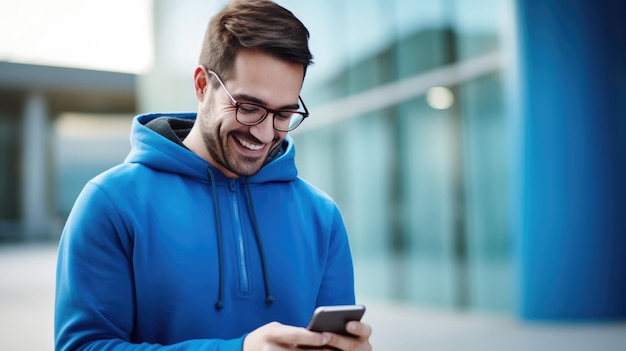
[164, 252]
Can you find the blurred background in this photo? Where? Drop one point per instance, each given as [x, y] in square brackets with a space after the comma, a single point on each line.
[476, 149]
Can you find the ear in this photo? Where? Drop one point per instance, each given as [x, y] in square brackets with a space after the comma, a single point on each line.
[201, 83]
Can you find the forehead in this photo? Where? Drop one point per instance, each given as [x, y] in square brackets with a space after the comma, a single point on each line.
[273, 81]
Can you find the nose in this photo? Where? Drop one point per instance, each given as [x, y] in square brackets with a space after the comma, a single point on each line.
[264, 131]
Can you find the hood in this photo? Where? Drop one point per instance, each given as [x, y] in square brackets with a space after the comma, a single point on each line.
[156, 151]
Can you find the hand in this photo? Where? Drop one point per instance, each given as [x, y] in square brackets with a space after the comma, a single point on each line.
[346, 343]
[279, 337]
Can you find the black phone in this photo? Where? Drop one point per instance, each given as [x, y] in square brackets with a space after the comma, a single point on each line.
[333, 319]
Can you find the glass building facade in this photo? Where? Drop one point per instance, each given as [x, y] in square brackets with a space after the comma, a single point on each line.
[419, 173]
[408, 133]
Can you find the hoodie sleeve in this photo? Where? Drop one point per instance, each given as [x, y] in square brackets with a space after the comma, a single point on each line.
[337, 287]
[95, 297]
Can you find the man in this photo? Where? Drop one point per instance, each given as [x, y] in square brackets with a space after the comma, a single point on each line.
[205, 238]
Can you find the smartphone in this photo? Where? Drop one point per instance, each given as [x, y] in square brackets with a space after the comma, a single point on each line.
[333, 319]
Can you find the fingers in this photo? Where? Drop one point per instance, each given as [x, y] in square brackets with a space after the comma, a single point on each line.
[302, 336]
[279, 336]
[276, 336]
[360, 329]
[346, 343]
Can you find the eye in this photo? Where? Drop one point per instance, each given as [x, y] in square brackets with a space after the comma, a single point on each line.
[250, 109]
[283, 116]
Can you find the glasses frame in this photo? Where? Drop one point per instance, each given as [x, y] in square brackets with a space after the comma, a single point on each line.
[267, 110]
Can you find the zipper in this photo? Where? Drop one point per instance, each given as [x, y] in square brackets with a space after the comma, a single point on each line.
[241, 249]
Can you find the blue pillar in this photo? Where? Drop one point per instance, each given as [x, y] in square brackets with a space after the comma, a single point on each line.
[572, 199]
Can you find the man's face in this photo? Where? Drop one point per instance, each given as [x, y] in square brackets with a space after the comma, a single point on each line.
[237, 149]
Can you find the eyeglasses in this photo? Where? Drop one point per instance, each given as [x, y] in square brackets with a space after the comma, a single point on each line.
[250, 114]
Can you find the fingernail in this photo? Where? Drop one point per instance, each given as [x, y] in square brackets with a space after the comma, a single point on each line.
[352, 326]
[326, 338]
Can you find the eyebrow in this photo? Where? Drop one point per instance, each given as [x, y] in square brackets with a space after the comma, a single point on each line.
[248, 98]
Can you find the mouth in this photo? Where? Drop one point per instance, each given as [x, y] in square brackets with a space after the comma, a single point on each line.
[249, 146]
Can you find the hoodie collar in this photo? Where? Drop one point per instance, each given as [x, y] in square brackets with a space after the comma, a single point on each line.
[159, 152]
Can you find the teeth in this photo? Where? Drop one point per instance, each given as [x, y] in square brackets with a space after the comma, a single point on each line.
[249, 146]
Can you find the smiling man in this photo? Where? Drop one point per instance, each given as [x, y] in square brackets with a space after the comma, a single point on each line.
[240, 146]
[205, 238]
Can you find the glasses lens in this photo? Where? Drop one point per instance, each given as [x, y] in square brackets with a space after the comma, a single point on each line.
[286, 121]
[250, 114]
[295, 120]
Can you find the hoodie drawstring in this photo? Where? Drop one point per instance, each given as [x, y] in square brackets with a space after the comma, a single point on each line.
[218, 220]
[269, 299]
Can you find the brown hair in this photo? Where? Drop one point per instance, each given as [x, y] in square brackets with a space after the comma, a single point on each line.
[254, 24]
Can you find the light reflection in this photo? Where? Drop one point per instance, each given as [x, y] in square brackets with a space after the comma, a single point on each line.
[440, 98]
